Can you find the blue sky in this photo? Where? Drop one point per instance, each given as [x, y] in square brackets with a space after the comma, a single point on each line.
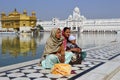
[47, 9]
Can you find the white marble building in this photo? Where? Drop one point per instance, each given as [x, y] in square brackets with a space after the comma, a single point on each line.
[48, 25]
[101, 25]
[77, 22]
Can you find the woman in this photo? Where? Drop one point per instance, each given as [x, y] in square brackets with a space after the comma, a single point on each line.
[54, 50]
[66, 34]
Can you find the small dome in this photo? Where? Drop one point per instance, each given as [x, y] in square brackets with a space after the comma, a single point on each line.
[24, 12]
[76, 9]
[3, 13]
[70, 16]
[33, 12]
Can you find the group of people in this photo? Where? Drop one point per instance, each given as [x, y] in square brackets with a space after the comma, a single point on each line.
[61, 47]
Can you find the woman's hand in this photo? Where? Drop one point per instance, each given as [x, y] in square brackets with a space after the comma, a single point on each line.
[61, 57]
[61, 54]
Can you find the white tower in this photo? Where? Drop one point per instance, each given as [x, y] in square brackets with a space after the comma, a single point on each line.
[76, 13]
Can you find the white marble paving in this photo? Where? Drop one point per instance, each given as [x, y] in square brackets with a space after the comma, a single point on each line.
[75, 68]
[79, 71]
[91, 76]
[36, 72]
[1, 74]
[61, 79]
[15, 74]
[53, 76]
[28, 67]
[38, 67]
[80, 65]
[107, 68]
[4, 78]
[104, 72]
[21, 78]
[42, 79]
[45, 71]
[16, 70]
[35, 75]
[101, 54]
[18, 65]
[116, 76]
[29, 70]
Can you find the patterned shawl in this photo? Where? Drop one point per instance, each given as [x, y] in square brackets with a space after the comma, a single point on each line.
[52, 44]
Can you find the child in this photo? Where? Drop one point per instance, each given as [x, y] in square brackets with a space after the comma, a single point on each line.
[73, 47]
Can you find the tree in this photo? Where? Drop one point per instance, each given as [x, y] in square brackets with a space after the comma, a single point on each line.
[40, 27]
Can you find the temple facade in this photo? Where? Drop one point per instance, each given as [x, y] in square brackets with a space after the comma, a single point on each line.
[16, 21]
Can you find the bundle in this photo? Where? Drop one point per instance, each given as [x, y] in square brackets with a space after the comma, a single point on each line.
[61, 68]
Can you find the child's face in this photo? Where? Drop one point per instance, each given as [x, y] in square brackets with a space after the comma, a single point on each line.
[73, 41]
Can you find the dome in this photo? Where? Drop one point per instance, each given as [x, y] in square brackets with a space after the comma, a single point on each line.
[76, 9]
[3, 13]
[70, 16]
[14, 13]
[33, 13]
[24, 12]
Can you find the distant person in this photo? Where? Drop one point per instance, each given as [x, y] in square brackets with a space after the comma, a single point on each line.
[73, 47]
[54, 50]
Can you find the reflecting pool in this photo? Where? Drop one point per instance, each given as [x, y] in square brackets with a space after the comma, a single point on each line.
[25, 47]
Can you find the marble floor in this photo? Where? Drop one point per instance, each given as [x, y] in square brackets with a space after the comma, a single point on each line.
[96, 57]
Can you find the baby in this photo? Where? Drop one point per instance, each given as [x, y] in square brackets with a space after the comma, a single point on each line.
[73, 47]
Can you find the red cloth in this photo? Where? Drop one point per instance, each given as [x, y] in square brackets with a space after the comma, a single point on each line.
[64, 41]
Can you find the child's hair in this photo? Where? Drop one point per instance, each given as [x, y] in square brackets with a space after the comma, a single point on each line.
[71, 37]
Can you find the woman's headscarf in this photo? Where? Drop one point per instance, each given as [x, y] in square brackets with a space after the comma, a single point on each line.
[53, 43]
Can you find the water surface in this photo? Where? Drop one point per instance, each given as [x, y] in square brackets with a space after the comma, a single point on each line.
[20, 48]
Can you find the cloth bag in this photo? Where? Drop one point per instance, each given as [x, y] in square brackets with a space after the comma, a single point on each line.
[61, 68]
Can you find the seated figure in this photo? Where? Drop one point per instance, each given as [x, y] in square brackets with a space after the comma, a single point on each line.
[73, 47]
[54, 50]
